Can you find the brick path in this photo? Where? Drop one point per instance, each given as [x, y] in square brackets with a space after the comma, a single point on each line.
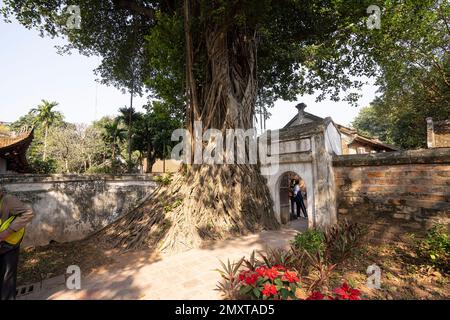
[187, 275]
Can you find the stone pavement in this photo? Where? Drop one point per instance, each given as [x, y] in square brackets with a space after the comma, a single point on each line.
[186, 276]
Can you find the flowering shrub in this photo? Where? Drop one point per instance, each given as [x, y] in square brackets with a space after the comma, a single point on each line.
[265, 283]
[345, 292]
[277, 277]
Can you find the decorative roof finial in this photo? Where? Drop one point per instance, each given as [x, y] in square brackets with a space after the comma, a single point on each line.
[301, 109]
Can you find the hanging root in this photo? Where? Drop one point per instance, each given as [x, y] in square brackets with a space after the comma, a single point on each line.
[201, 203]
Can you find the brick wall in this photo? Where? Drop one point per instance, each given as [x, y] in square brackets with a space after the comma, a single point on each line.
[410, 189]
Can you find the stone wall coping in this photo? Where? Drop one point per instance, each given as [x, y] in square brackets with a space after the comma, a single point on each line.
[42, 178]
[422, 156]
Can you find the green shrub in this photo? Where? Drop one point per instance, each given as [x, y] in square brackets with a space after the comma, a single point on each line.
[43, 166]
[435, 248]
[170, 206]
[164, 180]
[311, 240]
[342, 239]
[99, 170]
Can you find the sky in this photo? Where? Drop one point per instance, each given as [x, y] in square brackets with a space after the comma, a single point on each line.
[31, 70]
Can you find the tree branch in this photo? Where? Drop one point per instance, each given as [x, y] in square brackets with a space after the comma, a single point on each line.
[135, 7]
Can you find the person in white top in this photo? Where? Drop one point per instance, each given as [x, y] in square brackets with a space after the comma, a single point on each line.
[298, 197]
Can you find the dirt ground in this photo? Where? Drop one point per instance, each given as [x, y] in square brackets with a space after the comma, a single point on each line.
[403, 276]
[40, 263]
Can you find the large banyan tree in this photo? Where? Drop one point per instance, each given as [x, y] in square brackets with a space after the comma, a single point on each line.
[219, 60]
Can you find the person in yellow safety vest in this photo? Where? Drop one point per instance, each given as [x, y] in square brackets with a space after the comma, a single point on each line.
[14, 217]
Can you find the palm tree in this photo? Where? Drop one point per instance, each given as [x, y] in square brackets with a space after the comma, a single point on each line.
[46, 116]
[128, 116]
[113, 134]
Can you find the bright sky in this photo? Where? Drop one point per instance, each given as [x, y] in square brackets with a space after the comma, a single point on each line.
[31, 70]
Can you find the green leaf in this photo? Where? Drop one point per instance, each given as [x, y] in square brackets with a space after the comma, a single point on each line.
[278, 282]
[245, 290]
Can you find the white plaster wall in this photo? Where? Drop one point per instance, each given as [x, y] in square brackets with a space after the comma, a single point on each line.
[72, 209]
[333, 142]
[304, 170]
[295, 146]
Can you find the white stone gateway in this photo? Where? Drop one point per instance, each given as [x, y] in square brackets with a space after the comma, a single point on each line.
[306, 149]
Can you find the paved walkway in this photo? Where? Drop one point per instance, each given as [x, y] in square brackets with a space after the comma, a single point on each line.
[188, 275]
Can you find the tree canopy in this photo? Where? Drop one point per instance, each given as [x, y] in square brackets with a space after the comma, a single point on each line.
[413, 57]
[302, 46]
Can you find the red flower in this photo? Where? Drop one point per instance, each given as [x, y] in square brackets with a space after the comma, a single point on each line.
[261, 271]
[290, 276]
[251, 279]
[345, 292]
[272, 273]
[243, 275]
[280, 267]
[316, 296]
[269, 289]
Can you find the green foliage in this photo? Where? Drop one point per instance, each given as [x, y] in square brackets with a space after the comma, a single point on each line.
[413, 55]
[277, 256]
[166, 55]
[153, 130]
[229, 285]
[171, 206]
[303, 46]
[164, 180]
[435, 248]
[40, 166]
[27, 120]
[369, 123]
[4, 129]
[45, 115]
[99, 170]
[310, 240]
[341, 240]
[319, 268]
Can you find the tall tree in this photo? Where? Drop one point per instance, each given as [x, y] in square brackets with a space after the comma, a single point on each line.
[114, 134]
[219, 59]
[128, 116]
[153, 132]
[413, 55]
[46, 116]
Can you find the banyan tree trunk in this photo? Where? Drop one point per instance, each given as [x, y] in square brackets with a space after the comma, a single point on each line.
[206, 202]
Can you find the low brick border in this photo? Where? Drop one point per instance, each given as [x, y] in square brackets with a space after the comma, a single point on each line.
[423, 156]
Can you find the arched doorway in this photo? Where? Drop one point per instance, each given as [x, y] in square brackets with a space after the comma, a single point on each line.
[288, 210]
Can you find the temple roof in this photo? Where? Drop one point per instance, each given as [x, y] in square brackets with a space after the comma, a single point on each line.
[304, 130]
[345, 130]
[14, 148]
[366, 140]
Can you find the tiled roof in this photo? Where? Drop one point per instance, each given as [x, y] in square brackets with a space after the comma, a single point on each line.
[303, 130]
[316, 119]
[11, 141]
[364, 139]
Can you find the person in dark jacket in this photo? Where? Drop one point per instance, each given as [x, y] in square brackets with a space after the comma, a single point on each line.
[299, 200]
[291, 196]
[9, 253]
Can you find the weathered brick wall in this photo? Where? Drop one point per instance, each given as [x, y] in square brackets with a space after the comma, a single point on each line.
[410, 189]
